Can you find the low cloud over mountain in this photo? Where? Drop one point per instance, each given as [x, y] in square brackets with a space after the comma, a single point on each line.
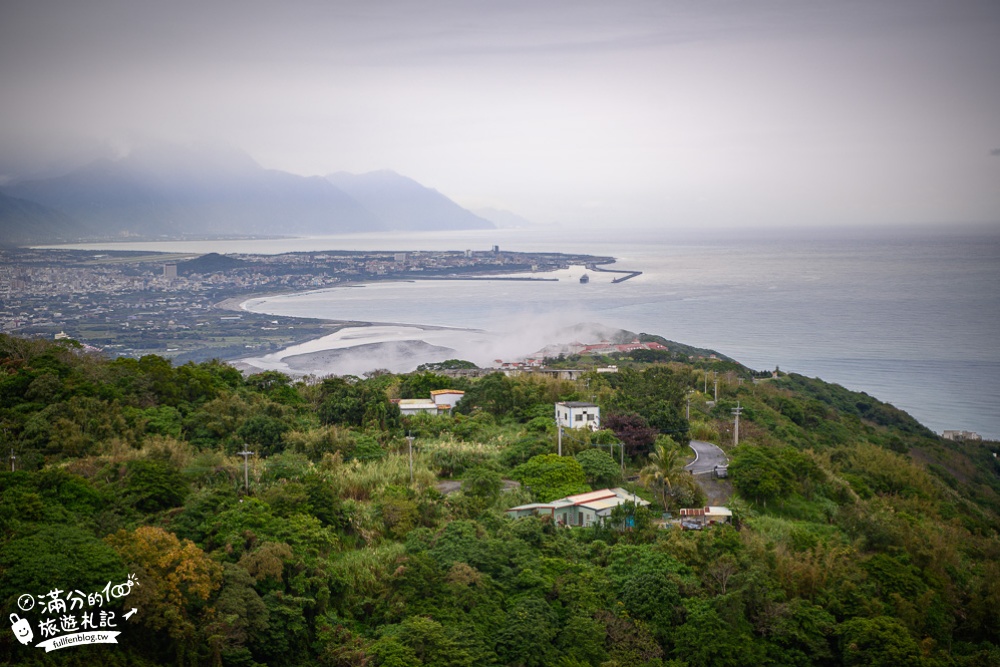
[169, 191]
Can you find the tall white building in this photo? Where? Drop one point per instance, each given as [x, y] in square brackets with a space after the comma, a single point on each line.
[577, 414]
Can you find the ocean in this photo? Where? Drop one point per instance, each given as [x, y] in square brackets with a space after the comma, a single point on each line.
[912, 318]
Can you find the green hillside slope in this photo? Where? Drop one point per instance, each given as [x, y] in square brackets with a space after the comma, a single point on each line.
[858, 537]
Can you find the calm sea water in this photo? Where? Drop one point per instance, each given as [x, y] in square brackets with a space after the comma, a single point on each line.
[912, 319]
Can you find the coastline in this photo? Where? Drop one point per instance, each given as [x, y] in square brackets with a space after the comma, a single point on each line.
[390, 344]
[341, 351]
[236, 303]
[355, 348]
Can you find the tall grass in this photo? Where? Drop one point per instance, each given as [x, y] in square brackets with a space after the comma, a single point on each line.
[366, 572]
[704, 431]
[362, 480]
[451, 458]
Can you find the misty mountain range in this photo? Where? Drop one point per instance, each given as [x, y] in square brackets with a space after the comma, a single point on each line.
[174, 192]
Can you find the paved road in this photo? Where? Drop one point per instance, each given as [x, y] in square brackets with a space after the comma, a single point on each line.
[708, 455]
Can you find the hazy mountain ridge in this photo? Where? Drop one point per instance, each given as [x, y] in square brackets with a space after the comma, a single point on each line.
[402, 203]
[169, 191]
[21, 221]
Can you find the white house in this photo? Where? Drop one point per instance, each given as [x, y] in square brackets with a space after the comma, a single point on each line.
[440, 402]
[577, 414]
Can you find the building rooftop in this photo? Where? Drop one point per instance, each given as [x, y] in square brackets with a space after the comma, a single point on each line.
[581, 498]
[601, 499]
[603, 504]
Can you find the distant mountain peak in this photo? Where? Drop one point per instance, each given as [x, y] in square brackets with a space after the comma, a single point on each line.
[402, 203]
[192, 158]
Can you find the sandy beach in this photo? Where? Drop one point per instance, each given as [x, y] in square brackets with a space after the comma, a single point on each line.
[355, 348]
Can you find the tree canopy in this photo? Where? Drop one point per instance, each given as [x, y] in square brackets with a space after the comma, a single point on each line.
[859, 538]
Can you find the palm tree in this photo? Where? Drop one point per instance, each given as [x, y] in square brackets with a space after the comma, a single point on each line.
[665, 469]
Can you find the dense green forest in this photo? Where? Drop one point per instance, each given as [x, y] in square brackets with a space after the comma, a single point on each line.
[859, 537]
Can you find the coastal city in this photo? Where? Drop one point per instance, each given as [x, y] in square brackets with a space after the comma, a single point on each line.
[184, 306]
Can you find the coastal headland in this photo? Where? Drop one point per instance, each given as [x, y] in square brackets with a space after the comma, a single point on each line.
[187, 307]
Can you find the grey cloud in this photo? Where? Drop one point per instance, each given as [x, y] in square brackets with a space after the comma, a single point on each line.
[647, 106]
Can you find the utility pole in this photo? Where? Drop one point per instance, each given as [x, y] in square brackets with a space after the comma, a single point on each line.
[736, 427]
[12, 457]
[687, 411]
[559, 430]
[409, 439]
[246, 454]
[706, 382]
[716, 389]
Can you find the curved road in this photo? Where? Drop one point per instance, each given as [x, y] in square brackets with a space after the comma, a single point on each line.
[707, 457]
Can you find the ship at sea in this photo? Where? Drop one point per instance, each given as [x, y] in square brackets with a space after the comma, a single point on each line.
[585, 278]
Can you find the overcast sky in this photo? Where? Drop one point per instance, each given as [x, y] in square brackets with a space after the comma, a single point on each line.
[664, 112]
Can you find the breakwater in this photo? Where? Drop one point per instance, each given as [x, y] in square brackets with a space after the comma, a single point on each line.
[626, 275]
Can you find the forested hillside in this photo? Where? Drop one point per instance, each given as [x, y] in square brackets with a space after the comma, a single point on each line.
[859, 537]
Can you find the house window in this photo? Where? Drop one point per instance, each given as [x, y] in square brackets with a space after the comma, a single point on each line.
[579, 418]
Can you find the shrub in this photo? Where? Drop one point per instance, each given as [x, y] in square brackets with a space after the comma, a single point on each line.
[601, 470]
[550, 476]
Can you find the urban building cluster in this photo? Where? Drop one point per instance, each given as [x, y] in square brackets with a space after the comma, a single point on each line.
[961, 435]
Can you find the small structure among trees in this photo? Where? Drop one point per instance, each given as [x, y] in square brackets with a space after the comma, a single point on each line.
[446, 398]
[581, 510]
[415, 406]
[441, 401]
[578, 414]
[707, 515]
